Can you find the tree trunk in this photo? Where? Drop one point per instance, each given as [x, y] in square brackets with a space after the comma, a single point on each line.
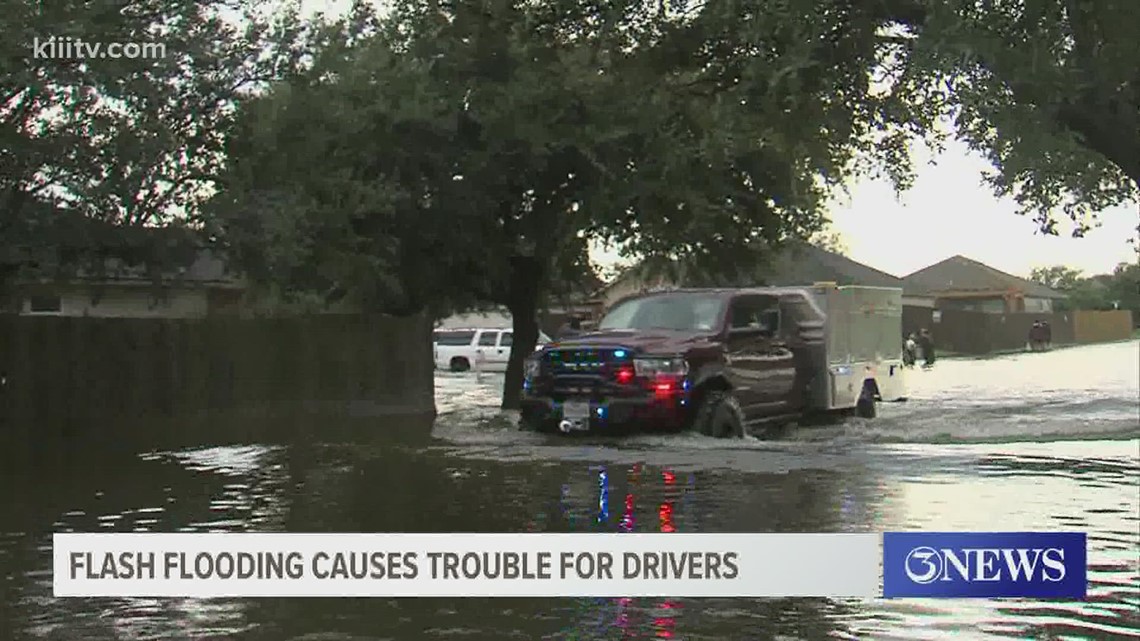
[522, 297]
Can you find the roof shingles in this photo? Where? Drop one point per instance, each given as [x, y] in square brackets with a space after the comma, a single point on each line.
[961, 274]
[798, 264]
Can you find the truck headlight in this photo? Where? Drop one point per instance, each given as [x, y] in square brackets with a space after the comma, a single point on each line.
[530, 368]
[655, 366]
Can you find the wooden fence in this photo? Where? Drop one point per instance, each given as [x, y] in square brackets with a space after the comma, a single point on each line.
[87, 378]
[971, 332]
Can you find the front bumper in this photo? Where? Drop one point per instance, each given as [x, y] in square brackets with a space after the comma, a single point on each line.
[609, 414]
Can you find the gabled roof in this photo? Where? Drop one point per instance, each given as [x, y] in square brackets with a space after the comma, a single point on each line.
[204, 268]
[67, 245]
[961, 274]
[805, 264]
[796, 264]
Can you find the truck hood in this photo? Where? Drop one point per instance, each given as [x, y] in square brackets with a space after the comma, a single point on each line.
[639, 341]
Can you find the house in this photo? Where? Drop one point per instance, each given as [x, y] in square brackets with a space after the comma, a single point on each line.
[964, 284]
[798, 264]
[202, 288]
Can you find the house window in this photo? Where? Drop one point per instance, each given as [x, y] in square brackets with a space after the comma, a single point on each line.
[44, 305]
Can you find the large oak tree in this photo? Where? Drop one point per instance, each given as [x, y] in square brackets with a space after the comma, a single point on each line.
[477, 147]
[97, 149]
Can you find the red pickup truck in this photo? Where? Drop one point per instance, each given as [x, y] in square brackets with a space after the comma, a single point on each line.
[718, 361]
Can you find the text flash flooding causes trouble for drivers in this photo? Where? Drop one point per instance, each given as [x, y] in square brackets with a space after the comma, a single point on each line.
[403, 565]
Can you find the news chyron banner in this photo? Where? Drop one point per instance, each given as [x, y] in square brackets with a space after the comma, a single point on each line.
[570, 565]
[462, 565]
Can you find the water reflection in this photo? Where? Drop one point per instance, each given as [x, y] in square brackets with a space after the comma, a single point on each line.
[646, 618]
[513, 484]
[345, 489]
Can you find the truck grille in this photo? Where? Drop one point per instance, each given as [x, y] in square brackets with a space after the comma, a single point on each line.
[581, 371]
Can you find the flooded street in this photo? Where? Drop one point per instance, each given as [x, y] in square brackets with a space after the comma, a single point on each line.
[1047, 441]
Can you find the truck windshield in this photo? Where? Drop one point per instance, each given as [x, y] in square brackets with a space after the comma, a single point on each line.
[680, 312]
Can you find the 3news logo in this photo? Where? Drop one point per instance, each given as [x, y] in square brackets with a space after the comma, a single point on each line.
[985, 564]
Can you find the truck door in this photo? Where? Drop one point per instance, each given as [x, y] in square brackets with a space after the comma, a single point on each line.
[503, 350]
[761, 367]
[485, 348]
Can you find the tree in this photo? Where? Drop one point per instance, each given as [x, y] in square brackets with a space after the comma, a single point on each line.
[830, 240]
[1059, 277]
[1118, 290]
[95, 149]
[440, 136]
[646, 141]
[1048, 92]
[1124, 288]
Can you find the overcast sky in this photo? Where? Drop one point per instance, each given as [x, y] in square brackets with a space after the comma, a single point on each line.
[948, 212]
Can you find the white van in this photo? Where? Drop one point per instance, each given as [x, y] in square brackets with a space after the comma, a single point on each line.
[460, 350]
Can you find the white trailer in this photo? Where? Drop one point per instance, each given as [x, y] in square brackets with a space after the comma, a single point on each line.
[863, 340]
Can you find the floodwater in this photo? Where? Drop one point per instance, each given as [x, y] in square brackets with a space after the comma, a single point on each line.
[1033, 441]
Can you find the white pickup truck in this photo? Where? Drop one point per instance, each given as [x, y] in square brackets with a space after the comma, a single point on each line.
[488, 349]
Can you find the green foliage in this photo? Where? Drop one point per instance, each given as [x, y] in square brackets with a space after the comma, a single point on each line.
[1118, 290]
[441, 138]
[340, 183]
[1057, 277]
[831, 241]
[470, 152]
[1124, 288]
[93, 146]
[1047, 91]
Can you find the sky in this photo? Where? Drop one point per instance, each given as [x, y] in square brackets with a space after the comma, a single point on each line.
[950, 212]
[947, 212]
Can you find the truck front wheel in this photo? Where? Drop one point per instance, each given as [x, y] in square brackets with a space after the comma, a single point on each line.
[719, 415]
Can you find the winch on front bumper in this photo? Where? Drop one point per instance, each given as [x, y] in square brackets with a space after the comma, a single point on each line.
[580, 390]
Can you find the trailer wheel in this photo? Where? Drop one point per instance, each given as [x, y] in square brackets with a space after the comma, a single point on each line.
[719, 415]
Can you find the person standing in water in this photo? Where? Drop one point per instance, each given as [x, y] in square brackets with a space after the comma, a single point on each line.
[1036, 336]
[927, 342]
[910, 351]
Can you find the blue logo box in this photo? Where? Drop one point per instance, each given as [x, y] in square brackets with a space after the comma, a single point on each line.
[985, 564]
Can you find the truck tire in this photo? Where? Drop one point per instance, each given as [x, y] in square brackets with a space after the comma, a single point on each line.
[460, 364]
[719, 416]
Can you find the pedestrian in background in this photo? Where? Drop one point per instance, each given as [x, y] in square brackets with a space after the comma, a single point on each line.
[926, 341]
[910, 351]
[1035, 336]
